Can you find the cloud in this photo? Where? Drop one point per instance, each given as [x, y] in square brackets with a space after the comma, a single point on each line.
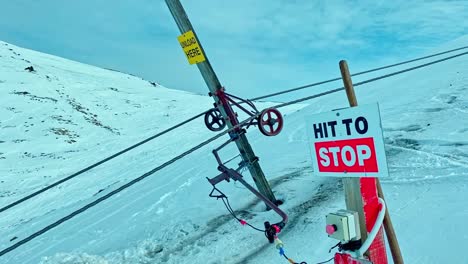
[255, 46]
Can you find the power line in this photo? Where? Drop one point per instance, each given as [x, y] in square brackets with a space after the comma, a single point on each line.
[204, 143]
[98, 163]
[355, 74]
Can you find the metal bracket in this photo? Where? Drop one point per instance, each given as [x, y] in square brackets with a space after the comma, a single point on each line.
[227, 174]
[269, 121]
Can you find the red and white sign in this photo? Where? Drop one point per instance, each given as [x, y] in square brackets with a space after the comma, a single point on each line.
[348, 142]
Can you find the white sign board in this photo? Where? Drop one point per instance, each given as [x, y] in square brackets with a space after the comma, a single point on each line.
[348, 142]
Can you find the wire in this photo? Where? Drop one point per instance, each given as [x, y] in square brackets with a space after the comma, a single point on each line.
[410, 69]
[355, 74]
[290, 260]
[116, 191]
[228, 206]
[167, 163]
[369, 80]
[13, 204]
[326, 261]
[2, 209]
[309, 97]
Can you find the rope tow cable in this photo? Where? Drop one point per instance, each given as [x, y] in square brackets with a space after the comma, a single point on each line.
[355, 74]
[2, 209]
[167, 163]
[370, 80]
[97, 164]
[121, 188]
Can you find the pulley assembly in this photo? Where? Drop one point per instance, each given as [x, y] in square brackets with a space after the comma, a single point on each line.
[269, 121]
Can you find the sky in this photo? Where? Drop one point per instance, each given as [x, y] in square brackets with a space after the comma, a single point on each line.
[255, 47]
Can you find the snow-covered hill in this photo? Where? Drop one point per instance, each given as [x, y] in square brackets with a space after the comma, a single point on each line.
[60, 116]
[65, 115]
[66, 112]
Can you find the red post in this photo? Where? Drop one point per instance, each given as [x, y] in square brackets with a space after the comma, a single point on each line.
[343, 258]
[367, 203]
[377, 252]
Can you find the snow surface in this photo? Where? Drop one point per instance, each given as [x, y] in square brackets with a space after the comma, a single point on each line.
[66, 115]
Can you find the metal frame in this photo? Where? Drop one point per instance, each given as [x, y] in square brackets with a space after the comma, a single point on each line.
[214, 84]
[227, 102]
[228, 173]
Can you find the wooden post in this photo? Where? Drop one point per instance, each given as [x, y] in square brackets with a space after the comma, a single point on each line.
[361, 193]
[352, 186]
[214, 85]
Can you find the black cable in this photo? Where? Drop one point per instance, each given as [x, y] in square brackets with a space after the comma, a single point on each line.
[335, 246]
[309, 97]
[369, 80]
[409, 61]
[97, 164]
[257, 98]
[410, 69]
[355, 74]
[107, 196]
[123, 187]
[303, 262]
[228, 206]
[323, 262]
[230, 210]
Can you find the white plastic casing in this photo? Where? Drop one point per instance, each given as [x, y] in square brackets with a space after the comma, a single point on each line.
[347, 225]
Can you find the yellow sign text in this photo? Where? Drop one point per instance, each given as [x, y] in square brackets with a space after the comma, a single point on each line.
[191, 48]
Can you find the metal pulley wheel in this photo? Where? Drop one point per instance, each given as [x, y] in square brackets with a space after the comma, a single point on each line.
[214, 121]
[270, 122]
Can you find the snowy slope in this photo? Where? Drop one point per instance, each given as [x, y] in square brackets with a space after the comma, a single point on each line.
[64, 116]
[168, 218]
[69, 112]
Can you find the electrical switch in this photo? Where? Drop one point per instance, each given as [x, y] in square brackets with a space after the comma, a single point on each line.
[331, 229]
[343, 225]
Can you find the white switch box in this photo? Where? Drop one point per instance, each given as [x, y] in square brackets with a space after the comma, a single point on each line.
[345, 224]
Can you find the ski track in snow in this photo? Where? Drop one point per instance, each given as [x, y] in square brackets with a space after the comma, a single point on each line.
[317, 201]
[218, 224]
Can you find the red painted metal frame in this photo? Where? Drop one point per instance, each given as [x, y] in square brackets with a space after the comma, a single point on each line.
[228, 173]
[343, 258]
[224, 100]
[376, 252]
[227, 102]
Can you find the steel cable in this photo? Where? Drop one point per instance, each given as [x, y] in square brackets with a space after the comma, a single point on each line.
[2, 209]
[121, 188]
[204, 143]
[369, 80]
[355, 74]
[97, 164]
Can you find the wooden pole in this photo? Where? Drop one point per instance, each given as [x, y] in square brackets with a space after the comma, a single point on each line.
[352, 186]
[214, 85]
[361, 193]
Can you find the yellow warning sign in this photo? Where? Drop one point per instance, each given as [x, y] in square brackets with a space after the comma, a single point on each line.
[192, 49]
